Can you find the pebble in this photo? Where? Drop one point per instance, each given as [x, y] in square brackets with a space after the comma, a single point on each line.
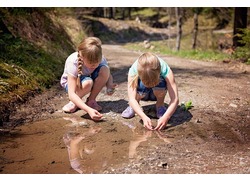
[233, 105]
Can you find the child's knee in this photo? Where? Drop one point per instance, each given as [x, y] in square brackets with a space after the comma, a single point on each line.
[103, 75]
[104, 71]
[140, 96]
[160, 93]
[87, 84]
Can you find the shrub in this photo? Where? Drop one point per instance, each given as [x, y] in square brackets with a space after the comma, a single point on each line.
[243, 53]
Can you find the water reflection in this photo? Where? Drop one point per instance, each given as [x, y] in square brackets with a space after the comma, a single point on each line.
[141, 135]
[116, 143]
[75, 122]
[75, 150]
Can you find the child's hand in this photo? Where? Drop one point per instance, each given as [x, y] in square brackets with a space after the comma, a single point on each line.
[161, 124]
[147, 123]
[95, 115]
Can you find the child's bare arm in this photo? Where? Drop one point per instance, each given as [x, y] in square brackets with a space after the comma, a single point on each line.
[136, 107]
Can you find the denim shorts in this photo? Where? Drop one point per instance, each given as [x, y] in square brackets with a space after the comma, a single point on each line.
[148, 92]
[92, 76]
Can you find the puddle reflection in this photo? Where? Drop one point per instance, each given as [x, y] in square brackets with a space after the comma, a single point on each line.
[143, 136]
[75, 150]
[75, 122]
[89, 152]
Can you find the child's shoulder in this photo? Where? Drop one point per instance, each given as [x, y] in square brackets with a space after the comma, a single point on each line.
[73, 57]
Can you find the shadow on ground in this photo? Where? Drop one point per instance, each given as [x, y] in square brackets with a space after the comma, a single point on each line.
[179, 117]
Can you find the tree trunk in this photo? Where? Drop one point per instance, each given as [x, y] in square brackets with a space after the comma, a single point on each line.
[108, 12]
[179, 27]
[240, 22]
[123, 13]
[129, 13]
[113, 12]
[195, 31]
[169, 27]
[105, 12]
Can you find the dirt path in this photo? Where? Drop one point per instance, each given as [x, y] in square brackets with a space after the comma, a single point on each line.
[212, 137]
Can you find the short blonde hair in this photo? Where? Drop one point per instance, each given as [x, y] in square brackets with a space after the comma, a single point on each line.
[149, 69]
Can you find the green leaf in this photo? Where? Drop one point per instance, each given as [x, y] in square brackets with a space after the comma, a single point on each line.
[186, 106]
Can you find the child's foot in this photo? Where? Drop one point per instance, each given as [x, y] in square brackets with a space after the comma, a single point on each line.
[128, 113]
[93, 104]
[70, 107]
[160, 111]
[111, 89]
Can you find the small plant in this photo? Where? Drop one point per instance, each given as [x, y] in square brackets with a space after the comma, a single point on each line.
[186, 106]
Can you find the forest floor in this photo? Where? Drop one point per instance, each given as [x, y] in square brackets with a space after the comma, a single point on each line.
[212, 137]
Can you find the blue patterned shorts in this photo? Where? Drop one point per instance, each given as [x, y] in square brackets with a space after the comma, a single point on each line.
[148, 92]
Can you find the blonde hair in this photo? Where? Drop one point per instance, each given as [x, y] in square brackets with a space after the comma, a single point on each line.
[149, 69]
[90, 49]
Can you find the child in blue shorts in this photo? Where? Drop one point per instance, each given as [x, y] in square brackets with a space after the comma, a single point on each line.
[150, 78]
[86, 72]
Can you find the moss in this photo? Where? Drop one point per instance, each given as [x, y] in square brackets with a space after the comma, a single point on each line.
[34, 48]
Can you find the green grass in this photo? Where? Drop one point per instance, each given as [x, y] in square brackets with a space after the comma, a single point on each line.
[29, 57]
[207, 41]
[27, 66]
[162, 48]
[146, 12]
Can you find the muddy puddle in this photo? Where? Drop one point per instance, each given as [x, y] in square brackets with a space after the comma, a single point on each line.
[92, 148]
[75, 144]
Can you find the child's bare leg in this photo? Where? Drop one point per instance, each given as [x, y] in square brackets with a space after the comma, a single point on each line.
[110, 85]
[160, 108]
[160, 96]
[86, 88]
[99, 82]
